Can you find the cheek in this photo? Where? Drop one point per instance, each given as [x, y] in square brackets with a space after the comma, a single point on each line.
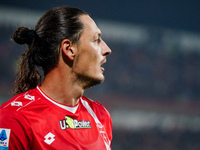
[85, 63]
[91, 63]
[88, 59]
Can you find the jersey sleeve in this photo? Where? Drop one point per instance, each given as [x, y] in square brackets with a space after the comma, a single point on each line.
[19, 133]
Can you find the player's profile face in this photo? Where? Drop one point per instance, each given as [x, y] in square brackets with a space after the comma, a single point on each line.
[91, 54]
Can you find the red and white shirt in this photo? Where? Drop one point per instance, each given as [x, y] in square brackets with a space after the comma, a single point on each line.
[33, 121]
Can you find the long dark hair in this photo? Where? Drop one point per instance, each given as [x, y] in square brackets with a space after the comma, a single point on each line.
[43, 48]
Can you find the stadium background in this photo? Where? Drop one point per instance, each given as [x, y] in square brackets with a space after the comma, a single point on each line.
[152, 86]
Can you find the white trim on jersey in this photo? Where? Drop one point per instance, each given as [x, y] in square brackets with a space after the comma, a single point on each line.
[100, 127]
[71, 109]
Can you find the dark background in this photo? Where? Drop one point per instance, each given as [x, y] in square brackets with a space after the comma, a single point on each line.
[176, 14]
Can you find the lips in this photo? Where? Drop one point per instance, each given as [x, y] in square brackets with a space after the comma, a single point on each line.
[102, 69]
[103, 62]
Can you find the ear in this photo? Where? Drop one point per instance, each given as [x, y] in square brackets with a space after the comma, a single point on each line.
[67, 49]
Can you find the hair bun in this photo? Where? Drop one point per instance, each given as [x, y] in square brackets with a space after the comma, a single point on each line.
[23, 35]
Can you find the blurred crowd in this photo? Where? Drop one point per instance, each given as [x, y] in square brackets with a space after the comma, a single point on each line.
[154, 71]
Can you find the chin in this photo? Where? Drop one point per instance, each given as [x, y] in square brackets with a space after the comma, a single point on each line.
[89, 81]
[94, 81]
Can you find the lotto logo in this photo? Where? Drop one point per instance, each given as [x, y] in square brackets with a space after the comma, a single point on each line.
[16, 103]
[29, 97]
[49, 138]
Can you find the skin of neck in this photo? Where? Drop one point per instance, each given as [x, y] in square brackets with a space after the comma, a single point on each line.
[62, 85]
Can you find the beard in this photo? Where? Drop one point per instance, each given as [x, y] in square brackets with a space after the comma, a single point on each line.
[88, 81]
[85, 80]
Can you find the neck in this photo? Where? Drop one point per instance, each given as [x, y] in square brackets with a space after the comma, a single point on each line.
[62, 88]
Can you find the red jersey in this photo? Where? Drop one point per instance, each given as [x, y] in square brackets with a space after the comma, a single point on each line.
[33, 121]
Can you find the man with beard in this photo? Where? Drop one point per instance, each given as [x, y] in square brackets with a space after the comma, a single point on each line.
[52, 113]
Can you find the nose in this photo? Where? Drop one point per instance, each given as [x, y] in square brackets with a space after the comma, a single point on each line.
[105, 49]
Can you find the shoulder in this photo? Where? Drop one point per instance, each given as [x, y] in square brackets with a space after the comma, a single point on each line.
[18, 127]
[20, 101]
[97, 107]
[14, 116]
[92, 103]
[11, 117]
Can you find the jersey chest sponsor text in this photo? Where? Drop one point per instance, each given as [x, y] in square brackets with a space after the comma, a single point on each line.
[69, 122]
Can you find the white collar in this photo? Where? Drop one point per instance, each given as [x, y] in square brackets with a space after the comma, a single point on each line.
[68, 108]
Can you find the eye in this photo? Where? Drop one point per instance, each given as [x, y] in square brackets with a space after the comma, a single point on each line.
[98, 40]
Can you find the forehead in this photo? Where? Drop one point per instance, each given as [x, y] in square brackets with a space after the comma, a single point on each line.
[90, 27]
